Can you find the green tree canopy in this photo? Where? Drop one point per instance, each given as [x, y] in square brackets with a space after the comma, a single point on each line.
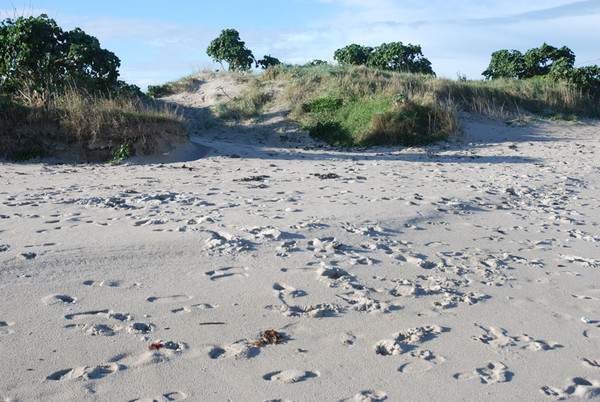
[505, 63]
[539, 61]
[267, 61]
[535, 62]
[398, 57]
[37, 56]
[353, 55]
[557, 64]
[230, 48]
[389, 56]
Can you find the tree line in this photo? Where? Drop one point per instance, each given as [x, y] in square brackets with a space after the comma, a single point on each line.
[39, 58]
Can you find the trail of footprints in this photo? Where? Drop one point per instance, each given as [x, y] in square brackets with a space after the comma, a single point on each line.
[445, 279]
[106, 322]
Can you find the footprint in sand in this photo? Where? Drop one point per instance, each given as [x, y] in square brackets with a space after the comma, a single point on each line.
[58, 299]
[499, 338]
[171, 396]
[112, 284]
[169, 299]
[493, 372]
[590, 362]
[241, 349]
[592, 333]
[86, 373]
[100, 313]
[97, 329]
[284, 290]
[290, 376]
[227, 272]
[424, 360]
[405, 341]
[286, 247]
[360, 302]
[189, 309]
[577, 387]
[140, 328]
[5, 327]
[368, 396]
[29, 256]
[310, 311]
[155, 354]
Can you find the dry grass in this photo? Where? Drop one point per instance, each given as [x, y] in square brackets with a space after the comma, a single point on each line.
[496, 97]
[385, 107]
[92, 127]
[185, 84]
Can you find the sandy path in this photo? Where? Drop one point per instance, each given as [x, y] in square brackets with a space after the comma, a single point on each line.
[459, 271]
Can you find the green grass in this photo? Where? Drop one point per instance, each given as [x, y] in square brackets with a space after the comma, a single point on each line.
[358, 106]
[355, 106]
[246, 106]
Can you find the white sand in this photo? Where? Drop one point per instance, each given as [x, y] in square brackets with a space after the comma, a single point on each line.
[459, 271]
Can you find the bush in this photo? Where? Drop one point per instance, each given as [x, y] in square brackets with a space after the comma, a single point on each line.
[393, 56]
[267, 61]
[40, 60]
[412, 123]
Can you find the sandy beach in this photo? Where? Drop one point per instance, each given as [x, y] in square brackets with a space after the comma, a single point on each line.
[465, 270]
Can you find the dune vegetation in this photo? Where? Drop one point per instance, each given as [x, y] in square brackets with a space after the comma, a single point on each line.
[60, 96]
[362, 106]
[61, 91]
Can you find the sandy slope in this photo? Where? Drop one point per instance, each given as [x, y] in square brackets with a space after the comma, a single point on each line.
[459, 271]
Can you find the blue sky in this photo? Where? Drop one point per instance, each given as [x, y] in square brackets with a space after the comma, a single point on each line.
[159, 41]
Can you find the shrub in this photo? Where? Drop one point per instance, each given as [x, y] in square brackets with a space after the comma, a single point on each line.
[267, 61]
[40, 60]
[412, 123]
[124, 151]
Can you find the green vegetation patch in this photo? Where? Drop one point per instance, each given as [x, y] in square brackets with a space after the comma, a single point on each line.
[125, 151]
[246, 106]
[359, 106]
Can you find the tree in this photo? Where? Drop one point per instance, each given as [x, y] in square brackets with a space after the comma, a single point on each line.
[389, 56]
[315, 62]
[539, 61]
[398, 57]
[353, 55]
[38, 58]
[535, 62]
[505, 63]
[230, 48]
[267, 61]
